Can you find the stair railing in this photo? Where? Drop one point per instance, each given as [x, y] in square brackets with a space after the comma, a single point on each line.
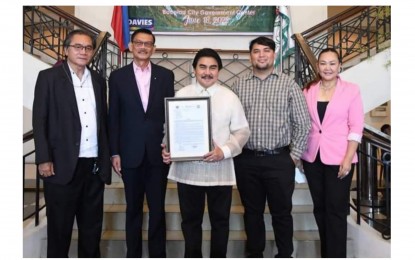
[353, 32]
[358, 31]
[45, 29]
[373, 181]
[28, 136]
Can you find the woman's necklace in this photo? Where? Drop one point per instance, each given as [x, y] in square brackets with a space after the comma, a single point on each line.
[327, 88]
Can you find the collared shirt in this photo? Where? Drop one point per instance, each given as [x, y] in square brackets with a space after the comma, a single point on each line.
[230, 132]
[142, 77]
[85, 98]
[276, 111]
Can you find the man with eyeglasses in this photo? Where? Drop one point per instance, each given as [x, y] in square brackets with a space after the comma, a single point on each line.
[136, 119]
[72, 148]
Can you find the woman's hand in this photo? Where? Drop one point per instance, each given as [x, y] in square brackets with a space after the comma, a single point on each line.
[344, 169]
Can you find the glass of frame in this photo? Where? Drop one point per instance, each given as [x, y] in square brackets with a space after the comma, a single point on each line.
[188, 127]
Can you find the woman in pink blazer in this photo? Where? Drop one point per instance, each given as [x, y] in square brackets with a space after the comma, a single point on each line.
[337, 117]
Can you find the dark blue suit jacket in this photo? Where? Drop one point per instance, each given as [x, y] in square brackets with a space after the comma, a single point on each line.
[132, 131]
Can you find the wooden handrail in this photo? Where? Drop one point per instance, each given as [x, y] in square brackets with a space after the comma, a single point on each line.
[321, 27]
[298, 37]
[100, 40]
[73, 19]
[27, 136]
[302, 39]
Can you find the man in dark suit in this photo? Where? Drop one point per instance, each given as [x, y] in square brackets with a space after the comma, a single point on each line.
[72, 149]
[136, 118]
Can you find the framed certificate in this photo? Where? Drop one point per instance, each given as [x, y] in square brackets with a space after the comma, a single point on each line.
[188, 122]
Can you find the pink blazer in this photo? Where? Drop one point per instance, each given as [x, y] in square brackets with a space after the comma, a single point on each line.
[343, 121]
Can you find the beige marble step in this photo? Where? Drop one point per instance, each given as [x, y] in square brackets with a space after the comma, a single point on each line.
[299, 235]
[114, 194]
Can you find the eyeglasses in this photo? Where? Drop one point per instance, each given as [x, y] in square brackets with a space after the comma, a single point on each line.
[80, 47]
[145, 44]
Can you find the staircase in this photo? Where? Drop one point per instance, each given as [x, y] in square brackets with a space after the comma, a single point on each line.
[306, 239]
[113, 245]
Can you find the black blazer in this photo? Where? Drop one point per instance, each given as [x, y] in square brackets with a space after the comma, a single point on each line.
[57, 126]
[132, 131]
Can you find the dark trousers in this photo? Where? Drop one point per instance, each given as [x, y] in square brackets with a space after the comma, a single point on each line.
[192, 207]
[331, 197]
[150, 180]
[82, 199]
[261, 179]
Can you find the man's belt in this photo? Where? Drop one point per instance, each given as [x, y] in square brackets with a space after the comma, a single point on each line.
[266, 152]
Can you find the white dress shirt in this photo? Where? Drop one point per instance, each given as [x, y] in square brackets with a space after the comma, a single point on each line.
[230, 132]
[85, 98]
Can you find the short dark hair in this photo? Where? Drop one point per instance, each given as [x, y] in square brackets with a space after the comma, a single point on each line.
[262, 40]
[143, 30]
[207, 52]
[70, 35]
[384, 127]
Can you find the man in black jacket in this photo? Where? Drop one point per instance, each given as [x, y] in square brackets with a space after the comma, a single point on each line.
[72, 148]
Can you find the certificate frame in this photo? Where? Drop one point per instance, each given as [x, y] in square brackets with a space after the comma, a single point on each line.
[188, 127]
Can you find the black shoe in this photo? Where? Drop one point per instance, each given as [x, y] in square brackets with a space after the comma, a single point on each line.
[255, 255]
[278, 256]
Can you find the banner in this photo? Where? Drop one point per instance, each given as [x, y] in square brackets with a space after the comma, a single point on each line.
[197, 20]
[282, 35]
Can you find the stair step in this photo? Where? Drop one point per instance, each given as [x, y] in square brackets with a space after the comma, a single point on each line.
[30, 185]
[173, 185]
[174, 208]
[115, 207]
[306, 238]
[114, 194]
[30, 177]
[306, 244]
[114, 218]
[177, 235]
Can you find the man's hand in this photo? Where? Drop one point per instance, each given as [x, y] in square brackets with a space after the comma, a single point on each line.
[116, 164]
[298, 163]
[166, 156]
[46, 169]
[215, 155]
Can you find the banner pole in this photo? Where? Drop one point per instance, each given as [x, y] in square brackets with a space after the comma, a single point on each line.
[281, 41]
